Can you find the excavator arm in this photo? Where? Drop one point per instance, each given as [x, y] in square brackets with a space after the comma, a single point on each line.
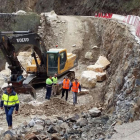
[8, 49]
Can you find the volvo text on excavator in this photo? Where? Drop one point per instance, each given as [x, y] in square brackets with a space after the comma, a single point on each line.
[44, 62]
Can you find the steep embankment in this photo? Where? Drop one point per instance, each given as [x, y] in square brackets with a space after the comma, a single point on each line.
[68, 7]
[121, 87]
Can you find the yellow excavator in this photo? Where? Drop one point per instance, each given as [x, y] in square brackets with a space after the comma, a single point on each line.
[44, 63]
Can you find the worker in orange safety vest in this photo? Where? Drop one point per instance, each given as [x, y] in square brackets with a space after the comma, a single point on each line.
[66, 86]
[75, 85]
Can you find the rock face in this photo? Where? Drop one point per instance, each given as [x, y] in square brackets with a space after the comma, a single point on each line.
[88, 79]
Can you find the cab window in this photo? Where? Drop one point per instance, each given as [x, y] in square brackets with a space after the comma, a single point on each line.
[52, 63]
[62, 60]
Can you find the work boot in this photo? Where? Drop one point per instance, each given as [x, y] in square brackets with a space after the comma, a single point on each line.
[9, 127]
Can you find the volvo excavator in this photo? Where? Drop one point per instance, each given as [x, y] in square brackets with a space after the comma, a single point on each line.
[44, 63]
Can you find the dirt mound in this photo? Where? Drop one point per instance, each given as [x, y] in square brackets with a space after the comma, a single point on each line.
[55, 106]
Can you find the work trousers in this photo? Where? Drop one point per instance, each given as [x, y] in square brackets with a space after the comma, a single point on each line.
[54, 89]
[48, 92]
[9, 112]
[63, 91]
[74, 97]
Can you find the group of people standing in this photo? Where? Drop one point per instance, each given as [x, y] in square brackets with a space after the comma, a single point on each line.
[52, 83]
[10, 99]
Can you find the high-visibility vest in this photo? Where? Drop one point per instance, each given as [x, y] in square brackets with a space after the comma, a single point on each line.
[49, 82]
[75, 87]
[54, 80]
[66, 84]
[10, 99]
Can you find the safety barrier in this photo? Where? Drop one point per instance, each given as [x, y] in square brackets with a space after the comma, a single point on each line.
[103, 15]
[130, 19]
[135, 21]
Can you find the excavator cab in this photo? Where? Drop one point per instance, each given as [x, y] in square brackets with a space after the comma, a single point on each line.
[52, 63]
[60, 62]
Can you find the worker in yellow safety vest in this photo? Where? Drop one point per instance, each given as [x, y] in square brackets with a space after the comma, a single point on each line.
[10, 101]
[75, 85]
[49, 84]
[54, 86]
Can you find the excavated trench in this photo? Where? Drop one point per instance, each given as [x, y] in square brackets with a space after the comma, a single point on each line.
[114, 41]
[119, 93]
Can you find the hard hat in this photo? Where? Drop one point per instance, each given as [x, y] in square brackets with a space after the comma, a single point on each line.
[10, 84]
[76, 78]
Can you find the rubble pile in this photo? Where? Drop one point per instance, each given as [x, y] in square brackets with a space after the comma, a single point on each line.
[85, 125]
[55, 106]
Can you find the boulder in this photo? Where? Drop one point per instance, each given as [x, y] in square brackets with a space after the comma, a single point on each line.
[55, 136]
[1, 81]
[5, 72]
[82, 122]
[64, 125]
[30, 136]
[95, 112]
[24, 58]
[7, 137]
[4, 85]
[101, 76]
[88, 79]
[96, 68]
[88, 55]
[31, 123]
[102, 61]
[38, 127]
[48, 122]
[51, 129]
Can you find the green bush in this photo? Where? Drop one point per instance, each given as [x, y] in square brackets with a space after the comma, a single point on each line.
[26, 22]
